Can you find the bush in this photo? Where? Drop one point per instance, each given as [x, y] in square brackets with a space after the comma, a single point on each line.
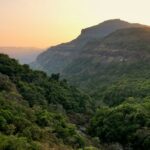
[16, 143]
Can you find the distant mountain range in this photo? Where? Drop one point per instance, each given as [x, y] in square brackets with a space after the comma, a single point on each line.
[25, 55]
[102, 56]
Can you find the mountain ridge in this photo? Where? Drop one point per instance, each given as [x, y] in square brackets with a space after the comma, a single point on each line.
[102, 62]
[55, 58]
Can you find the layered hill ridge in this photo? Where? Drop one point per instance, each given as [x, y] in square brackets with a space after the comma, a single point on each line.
[121, 53]
[118, 52]
[56, 58]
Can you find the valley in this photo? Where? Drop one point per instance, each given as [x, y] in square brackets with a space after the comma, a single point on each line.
[92, 93]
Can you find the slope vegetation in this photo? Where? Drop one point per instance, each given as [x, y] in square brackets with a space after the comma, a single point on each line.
[34, 109]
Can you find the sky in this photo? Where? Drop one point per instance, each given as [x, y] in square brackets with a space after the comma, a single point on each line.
[43, 23]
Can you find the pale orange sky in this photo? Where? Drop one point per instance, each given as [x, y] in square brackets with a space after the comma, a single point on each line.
[42, 23]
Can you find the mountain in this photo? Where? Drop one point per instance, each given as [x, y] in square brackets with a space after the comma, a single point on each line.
[103, 56]
[25, 55]
[57, 58]
[110, 109]
[114, 63]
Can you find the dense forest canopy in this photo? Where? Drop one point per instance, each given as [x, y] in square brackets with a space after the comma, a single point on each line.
[34, 108]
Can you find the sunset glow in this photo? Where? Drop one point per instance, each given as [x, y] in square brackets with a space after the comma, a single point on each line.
[42, 23]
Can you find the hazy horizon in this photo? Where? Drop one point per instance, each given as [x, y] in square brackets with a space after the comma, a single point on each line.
[43, 23]
[25, 55]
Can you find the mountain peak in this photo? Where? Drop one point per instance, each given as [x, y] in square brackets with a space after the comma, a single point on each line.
[105, 28]
[113, 21]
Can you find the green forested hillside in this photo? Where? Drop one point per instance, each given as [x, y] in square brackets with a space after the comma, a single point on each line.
[128, 124]
[37, 88]
[114, 68]
[34, 109]
[38, 112]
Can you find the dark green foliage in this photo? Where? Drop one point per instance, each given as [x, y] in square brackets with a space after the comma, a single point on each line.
[17, 143]
[127, 123]
[29, 126]
[29, 103]
[116, 93]
[37, 88]
[34, 108]
[55, 76]
[5, 84]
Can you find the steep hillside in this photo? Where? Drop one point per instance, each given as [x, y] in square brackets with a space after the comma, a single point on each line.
[38, 112]
[35, 110]
[121, 57]
[106, 59]
[56, 58]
